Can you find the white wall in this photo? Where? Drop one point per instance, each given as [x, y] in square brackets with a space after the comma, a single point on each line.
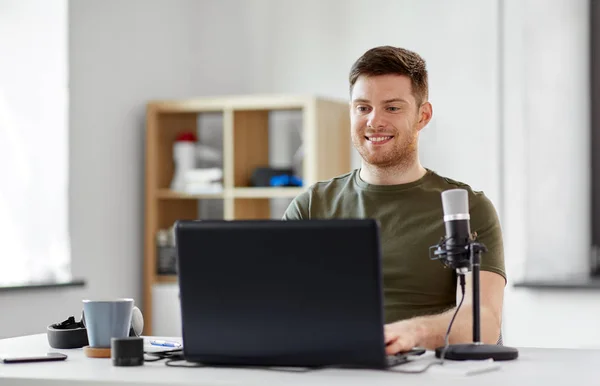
[546, 171]
[33, 142]
[37, 91]
[547, 142]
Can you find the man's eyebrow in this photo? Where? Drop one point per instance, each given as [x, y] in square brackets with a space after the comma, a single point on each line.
[360, 100]
[395, 100]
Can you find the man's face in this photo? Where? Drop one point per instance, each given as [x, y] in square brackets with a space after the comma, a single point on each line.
[385, 120]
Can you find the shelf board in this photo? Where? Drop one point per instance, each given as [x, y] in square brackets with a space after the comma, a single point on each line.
[267, 192]
[240, 102]
[171, 195]
[166, 279]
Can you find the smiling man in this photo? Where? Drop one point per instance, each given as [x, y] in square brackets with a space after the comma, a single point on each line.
[389, 107]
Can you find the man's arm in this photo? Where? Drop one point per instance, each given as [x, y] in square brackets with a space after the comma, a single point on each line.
[429, 331]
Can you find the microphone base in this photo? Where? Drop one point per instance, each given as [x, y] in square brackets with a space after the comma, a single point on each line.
[472, 351]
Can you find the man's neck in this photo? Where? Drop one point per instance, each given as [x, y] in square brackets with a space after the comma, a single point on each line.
[391, 175]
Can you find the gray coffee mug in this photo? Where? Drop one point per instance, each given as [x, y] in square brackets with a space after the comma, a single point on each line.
[106, 319]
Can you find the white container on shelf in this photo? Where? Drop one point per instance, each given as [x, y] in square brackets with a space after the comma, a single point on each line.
[184, 155]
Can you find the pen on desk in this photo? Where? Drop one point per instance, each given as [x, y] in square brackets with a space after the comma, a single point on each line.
[164, 343]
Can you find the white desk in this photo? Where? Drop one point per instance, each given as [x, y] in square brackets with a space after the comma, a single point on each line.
[534, 366]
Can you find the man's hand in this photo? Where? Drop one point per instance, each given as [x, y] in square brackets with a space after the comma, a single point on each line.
[402, 336]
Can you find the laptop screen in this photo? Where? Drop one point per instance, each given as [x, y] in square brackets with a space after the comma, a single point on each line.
[291, 293]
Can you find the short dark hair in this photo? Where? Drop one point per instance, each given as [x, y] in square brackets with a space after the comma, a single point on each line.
[386, 60]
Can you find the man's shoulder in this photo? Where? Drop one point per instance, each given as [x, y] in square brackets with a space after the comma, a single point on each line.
[478, 200]
[333, 184]
[449, 183]
[315, 198]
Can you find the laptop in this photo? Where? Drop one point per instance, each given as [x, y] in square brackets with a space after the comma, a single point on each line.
[304, 293]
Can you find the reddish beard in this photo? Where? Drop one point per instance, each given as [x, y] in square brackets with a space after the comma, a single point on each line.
[401, 154]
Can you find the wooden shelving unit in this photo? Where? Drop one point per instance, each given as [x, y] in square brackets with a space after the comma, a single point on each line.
[326, 133]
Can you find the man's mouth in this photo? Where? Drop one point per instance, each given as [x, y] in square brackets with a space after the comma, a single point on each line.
[378, 140]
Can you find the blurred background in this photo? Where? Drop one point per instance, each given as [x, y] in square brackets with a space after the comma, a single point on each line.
[510, 83]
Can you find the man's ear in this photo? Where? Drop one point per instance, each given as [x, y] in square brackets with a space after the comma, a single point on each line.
[425, 114]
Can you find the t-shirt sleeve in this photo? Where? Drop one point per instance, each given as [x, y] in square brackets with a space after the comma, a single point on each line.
[484, 221]
[298, 208]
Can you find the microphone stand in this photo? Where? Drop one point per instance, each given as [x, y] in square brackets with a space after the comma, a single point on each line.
[476, 350]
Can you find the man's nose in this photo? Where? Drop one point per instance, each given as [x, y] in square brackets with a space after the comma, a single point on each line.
[375, 120]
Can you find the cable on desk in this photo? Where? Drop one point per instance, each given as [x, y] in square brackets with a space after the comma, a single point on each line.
[173, 363]
[176, 359]
[416, 371]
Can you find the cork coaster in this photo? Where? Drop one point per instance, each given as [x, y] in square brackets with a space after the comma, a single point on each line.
[96, 352]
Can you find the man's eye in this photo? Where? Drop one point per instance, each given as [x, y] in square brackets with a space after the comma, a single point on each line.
[362, 109]
[392, 108]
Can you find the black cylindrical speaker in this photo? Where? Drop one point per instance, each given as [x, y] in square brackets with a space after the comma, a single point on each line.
[127, 351]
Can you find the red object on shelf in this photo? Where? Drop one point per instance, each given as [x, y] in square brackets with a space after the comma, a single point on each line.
[187, 137]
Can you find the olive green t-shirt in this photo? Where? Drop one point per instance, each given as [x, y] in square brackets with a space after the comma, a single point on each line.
[411, 220]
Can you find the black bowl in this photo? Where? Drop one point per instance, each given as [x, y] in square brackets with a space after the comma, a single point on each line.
[67, 338]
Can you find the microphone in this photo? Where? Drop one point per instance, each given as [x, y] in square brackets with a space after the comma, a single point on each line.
[455, 203]
[460, 251]
[455, 249]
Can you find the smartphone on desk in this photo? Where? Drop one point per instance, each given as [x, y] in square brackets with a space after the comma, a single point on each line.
[51, 356]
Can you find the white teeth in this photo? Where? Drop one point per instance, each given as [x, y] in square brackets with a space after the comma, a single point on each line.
[379, 139]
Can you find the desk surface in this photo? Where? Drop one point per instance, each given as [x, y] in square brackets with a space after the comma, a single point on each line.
[533, 366]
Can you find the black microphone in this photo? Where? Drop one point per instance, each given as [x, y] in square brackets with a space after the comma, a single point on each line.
[455, 203]
[454, 250]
